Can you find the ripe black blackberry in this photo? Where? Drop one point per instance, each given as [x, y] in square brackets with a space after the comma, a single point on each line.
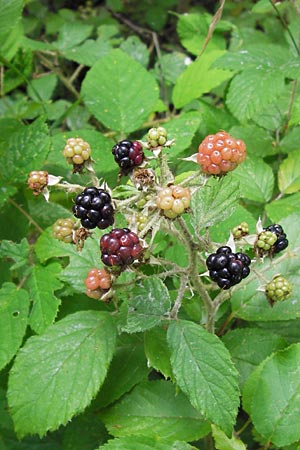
[227, 268]
[128, 155]
[282, 241]
[120, 247]
[94, 208]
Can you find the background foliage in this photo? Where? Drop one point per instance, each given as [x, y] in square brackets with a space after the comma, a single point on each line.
[76, 373]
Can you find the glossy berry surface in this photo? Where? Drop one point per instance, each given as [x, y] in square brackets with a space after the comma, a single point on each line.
[278, 289]
[120, 247]
[157, 137]
[281, 242]
[94, 208]
[37, 181]
[63, 230]
[173, 200]
[128, 155]
[97, 282]
[220, 153]
[77, 151]
[227, 268]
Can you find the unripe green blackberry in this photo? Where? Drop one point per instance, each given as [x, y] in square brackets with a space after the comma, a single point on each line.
[173, 200]
[63, 230]
[157, 137]
[265, 241]
[240, 230]
[278, 289]
[77, 152]
[37, 181]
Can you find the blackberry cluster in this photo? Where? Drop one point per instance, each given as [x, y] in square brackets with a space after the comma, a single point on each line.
[128, 155]
[227, 268]
[282, 241]
[157, 137]
[120, 247]
[94, 208]
[220, 153]
[37, 181]
[63, 230]
[278, 289]
[173, 200]
[97, 282]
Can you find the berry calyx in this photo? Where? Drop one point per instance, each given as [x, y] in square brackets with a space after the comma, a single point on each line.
[63, 229]
[128, 155]
[97, 282]
[220, 153]
[94, 208]
[278, 289]
[77, 152]
[227, 268]
[120, 247]
[173, 200]
[157, 137]
[240, 230]
[37, 181]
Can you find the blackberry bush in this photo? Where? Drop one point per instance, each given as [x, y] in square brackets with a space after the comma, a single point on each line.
[227, 268]
[128, 155]
[120, 247]
[94, 208]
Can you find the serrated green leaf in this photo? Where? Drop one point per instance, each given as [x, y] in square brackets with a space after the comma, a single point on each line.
[84, 432]
[205, 373]
[42, 88]
[14, 308]
[199, 78]
[274, 408]
[149, 301]
[251, 304]
[259, 141]
[26, 150]
[88, 52]
[222, 442]
[155, 410]
[144, 443]
[17, 252]
[256, 179]
[128, 368]
[80, 263]
[10, 27]
[135, 48]
[249, 347]
[289, 173]
[171, 65]
[72, 34]
[56, 375]
[183, 131]
[279, 209]
[253, 89]
[110, 89]
[157, 351]
[43, 281]
[192, 29]
[47, 247]
[290, 141]
[214, 202]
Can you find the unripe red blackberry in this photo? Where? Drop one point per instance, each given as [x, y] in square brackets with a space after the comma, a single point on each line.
[220, 153]
[278, 289]
[77, 152]
[173, 200]
[63, 230]
[120, 247]
[157, 137]
[94, 208]
[128, 155]
[37, 181]
[227, 268]
[97, 282]
[240, 230]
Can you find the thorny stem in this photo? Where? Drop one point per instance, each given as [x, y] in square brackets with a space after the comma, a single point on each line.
[69, 187]
[28, 216]
[180, 294]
